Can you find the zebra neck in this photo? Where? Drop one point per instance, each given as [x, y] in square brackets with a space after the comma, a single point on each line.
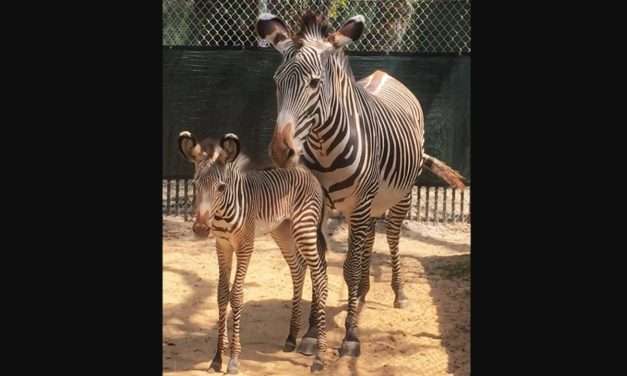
[334, 143]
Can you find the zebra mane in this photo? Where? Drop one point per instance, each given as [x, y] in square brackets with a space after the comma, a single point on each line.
[208, 145]
[312, 28]
[244, 164]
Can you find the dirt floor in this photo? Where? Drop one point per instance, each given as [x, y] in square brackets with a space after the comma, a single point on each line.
[429, 337]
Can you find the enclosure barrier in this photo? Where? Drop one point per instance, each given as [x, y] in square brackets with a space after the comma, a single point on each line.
[393, 26]
[429, 204]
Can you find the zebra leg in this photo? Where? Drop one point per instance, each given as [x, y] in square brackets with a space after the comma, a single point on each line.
[225, 257]
[360, 222]
[364, 285]
[326, 214]
[319, 277]
[319, 282]
[309, 342]
[283, 237]
[393, 223]
[237, 299]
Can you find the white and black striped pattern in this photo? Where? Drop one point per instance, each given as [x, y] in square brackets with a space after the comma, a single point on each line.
[238, 203]
[364, 141]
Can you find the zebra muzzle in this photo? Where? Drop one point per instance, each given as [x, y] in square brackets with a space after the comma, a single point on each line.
[201, 230]
[283, 150]
[201, 227]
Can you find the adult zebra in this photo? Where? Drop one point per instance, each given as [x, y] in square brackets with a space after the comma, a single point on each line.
[364, 141]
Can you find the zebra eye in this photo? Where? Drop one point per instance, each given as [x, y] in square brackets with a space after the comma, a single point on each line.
[221, 187]
[314, 83]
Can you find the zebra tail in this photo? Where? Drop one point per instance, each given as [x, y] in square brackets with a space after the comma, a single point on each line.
[446, 173]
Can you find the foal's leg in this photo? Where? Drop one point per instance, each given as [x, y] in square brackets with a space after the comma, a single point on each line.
[309, 342]
[282, 235]
[237, 299]
[225, 257]
[306, 242]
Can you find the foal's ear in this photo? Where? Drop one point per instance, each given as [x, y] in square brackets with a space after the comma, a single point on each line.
[230, 147]
[349, 32]
[272, 29]
[189, 148]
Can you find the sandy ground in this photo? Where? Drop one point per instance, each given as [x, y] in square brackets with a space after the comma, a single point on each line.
[429, 337]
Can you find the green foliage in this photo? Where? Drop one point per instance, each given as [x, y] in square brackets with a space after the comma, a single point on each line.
[337, 6]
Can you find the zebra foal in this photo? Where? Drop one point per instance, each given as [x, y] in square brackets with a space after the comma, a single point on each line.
[237, 203]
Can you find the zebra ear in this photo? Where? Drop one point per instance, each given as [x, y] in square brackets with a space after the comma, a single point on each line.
[349, 32]
[273, 30]
[189, 148]
[230, 147]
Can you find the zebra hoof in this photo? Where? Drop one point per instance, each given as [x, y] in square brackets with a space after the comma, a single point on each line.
[350, 348]
[216, 364]
[400, 300]
[402, 303]
[308, 346]
[317, 366]
[290, 345]
[233, 367]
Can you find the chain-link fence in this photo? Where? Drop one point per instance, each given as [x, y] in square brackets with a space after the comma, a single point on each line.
[406, 26]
